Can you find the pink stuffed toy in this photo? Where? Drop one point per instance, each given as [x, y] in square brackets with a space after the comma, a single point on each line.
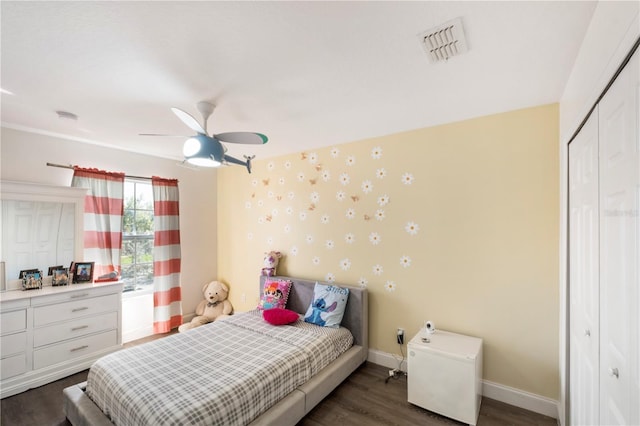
[271, 260]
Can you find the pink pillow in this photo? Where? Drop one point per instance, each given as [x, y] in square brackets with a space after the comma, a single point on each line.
[274, 294]
[278, 316]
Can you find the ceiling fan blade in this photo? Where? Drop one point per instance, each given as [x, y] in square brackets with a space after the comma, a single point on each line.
[189, 120]
[242, 137]
[164, 135]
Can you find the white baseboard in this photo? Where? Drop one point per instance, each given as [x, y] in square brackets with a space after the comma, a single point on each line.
[512, 396]
[519, 398]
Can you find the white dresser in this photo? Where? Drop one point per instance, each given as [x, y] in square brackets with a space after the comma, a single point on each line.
[54, 332]
[445, 375]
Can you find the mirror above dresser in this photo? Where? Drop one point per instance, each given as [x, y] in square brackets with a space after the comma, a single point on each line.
[42, 226]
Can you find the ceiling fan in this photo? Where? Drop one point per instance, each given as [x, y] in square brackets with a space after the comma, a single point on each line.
[208, 151]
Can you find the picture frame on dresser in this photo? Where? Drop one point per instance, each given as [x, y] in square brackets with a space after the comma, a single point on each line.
[31, 280]
[83, 272]
[60, 276]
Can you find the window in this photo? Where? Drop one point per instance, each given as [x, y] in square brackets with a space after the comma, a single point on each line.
[137, 236]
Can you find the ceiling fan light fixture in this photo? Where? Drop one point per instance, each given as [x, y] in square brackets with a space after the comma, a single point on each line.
[203, 151]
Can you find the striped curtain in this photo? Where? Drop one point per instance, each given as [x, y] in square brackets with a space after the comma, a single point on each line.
[167, 297]
[103, 209]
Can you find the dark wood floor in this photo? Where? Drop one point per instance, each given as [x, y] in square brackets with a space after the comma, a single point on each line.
[363, 399]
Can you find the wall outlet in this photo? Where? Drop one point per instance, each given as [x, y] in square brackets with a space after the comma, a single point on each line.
[244, 297]
[400, 336]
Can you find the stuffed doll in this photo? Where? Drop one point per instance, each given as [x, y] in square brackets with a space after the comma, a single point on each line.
[271, 260]
[214, 306]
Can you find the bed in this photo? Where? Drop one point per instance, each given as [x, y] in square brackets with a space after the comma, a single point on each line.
[285, 398]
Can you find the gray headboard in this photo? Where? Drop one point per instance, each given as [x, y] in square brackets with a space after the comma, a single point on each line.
[356, 314]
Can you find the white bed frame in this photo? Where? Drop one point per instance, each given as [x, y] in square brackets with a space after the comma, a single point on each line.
[81, 411]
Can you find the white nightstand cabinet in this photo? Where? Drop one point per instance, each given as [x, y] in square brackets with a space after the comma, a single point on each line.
[54, 332]
[445, 375]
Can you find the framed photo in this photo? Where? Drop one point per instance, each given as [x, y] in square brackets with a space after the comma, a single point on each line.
[60, 276]
[53, 268]
[31, 280]
[83, 272]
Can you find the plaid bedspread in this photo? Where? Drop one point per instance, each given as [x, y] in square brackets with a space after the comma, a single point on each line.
[224, 373]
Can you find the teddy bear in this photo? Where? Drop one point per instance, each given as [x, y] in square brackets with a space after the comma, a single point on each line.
[271, 260]
[214, 306]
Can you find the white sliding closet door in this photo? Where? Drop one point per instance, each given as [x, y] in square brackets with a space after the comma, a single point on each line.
[619, 251]
[604, 259]
[584, 283]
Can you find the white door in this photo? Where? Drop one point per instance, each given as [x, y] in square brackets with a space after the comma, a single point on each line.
[584, 275]
[619, 251]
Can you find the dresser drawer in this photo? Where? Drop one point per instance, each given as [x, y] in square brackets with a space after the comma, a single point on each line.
[49, 314]
[73, 349]
[13, 366]
[12, 344]
[13, 321]
[75, 328]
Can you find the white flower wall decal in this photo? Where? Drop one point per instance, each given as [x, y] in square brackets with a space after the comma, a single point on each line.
[330, 278]
[383, 200]
[412, 228]
[367, 186]
[390, 286]
[376, 153]
[362, 282]
[375, 238]
[405, 261]
[324, 219]
[351, 160]
[377, 270]
[407, 178]
[345, 179]
[335, 152]
[350, 238]
[329, 244]
[345, 264]
[340, 195]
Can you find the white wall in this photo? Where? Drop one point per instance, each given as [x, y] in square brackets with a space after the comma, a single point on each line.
[614, 28]
[23, 157]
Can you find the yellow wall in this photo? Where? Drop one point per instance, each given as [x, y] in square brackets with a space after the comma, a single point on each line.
[483, 195]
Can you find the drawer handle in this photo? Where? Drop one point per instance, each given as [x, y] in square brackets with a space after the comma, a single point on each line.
[77, 296]
[613, 372]
[79, 328]
[84, 308]
[79, 348]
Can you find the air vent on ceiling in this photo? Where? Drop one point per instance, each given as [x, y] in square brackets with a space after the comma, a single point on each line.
[444, 41]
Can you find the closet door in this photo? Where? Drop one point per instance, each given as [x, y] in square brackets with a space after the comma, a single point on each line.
[619, 251]
[584, 271]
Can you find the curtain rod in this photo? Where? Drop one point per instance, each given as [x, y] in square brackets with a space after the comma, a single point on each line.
[62, 166]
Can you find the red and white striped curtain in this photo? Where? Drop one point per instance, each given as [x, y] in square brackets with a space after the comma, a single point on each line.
[167, 297]
[103, 209]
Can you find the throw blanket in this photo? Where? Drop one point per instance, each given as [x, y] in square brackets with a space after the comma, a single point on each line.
[224, 373]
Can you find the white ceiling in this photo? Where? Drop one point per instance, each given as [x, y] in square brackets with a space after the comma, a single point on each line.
[306, 74]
